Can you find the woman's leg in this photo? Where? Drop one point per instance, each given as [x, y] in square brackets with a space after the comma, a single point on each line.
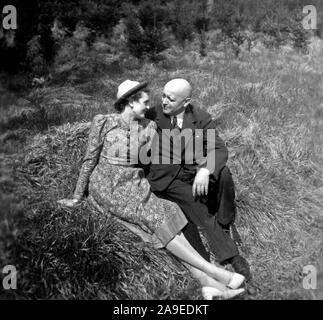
[212, 288]
[182, 249]
[204, 279]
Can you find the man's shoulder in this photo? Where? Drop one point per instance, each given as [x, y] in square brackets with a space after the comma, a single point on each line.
[200, 115]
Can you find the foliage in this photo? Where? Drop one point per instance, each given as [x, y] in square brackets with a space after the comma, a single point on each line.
[182, 28]
[150, 26]
[278, 22]
[146, 29]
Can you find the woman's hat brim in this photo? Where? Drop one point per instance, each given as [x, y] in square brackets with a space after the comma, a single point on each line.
[132, 91]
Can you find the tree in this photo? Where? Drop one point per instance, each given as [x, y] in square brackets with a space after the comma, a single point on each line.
[182, 27]
[146, 25]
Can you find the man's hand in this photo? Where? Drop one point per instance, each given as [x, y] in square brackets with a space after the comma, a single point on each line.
[70, 203]
[201, 182]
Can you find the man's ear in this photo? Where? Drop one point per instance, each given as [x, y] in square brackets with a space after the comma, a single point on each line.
[187, 102]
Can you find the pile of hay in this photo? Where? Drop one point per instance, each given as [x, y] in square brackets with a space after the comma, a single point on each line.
[81, 254]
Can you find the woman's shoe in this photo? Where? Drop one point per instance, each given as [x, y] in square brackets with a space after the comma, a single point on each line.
[209, 293]
[236, 281]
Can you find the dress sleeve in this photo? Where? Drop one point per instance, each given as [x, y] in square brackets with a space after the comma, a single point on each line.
[93, 151]
[152, 126]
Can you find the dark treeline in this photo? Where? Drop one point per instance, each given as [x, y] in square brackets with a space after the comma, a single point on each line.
[149, 27]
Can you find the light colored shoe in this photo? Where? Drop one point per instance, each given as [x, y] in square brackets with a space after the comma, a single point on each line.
[236, 281]
[209, 293]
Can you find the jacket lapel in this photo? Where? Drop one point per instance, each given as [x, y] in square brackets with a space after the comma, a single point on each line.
[163, 121]
[189, 122]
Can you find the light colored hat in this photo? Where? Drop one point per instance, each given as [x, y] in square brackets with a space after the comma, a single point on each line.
[127, 88]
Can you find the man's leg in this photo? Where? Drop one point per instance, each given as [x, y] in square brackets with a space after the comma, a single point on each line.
[220, 200]
[197, 212]
[192, 235]
[221, 206]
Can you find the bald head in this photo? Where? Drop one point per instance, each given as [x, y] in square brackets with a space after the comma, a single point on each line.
[176, 96]
[180, 87]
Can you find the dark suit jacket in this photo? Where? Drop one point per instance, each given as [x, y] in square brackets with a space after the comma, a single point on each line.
[213, 157]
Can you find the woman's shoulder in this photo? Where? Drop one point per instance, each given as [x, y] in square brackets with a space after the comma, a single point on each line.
[149, 124]
[107, 120]
[99, 118]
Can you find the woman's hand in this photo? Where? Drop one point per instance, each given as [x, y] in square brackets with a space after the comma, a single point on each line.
[71, 203]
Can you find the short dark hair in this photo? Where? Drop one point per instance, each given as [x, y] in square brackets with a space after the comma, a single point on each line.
[135, 97]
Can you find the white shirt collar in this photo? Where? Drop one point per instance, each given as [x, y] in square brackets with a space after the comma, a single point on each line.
[180, 118]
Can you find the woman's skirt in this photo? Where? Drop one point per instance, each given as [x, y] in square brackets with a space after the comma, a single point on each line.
[124, 192]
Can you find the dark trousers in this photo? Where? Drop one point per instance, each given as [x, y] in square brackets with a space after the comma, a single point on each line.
[207, 212]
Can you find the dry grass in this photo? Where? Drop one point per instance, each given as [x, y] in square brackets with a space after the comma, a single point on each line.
[268, 109]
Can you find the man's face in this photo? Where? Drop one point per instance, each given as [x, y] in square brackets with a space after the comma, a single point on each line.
[140, 106]
[172, 101]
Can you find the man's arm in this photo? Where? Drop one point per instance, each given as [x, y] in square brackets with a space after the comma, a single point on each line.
[216, 151]
[216, 155]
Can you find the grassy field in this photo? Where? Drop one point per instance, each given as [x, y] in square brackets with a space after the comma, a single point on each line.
[269, 110]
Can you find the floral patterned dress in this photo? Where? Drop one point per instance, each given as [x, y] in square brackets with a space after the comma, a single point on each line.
[116, 183]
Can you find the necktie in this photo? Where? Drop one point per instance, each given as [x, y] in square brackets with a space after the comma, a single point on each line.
[174, 123]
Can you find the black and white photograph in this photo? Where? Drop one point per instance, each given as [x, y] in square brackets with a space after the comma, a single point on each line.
[161, 150]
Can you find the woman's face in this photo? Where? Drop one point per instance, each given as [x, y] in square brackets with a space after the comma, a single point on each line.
[140, 106]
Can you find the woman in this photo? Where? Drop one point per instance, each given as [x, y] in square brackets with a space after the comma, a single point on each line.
[116, 184]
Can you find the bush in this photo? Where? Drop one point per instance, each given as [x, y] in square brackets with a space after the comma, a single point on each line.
[181, 27]
[278, 21]
[78, 61]
[146, 28]
[35, 58]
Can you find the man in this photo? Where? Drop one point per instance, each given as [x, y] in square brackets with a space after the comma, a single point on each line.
[201, 186]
